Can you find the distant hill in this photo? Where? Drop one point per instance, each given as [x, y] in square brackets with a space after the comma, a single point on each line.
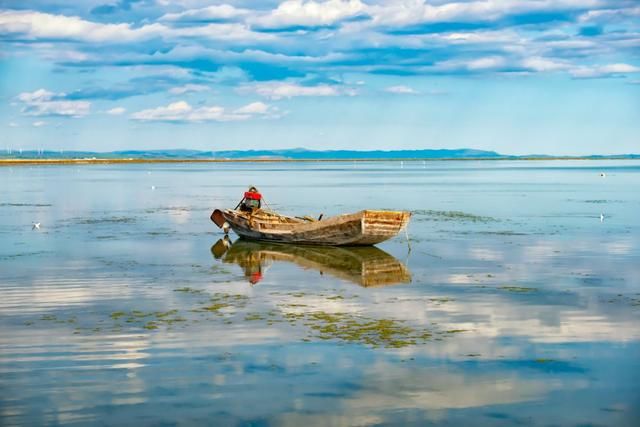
[287, 154]
[302, 154]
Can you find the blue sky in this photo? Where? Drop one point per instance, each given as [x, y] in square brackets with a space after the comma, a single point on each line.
[518, 77]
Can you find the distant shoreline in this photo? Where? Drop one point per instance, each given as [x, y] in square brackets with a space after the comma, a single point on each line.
[97, 161]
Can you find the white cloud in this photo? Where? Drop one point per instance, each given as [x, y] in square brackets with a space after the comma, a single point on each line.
[116, 111]
[310, 13]
[279, 90]
[401, 90]
[211, 13]
[38, 95]
[38, 124]
[46, 103]
[181, 111]
[176, 111]
[37, 25]
[253, 108]
[188, 88]
[221, 31]
[13, 125]
[604, 71]
[197, 35]
[537, 63]
[610, 15]
[414, 12]
[619, 69]
[489, 62]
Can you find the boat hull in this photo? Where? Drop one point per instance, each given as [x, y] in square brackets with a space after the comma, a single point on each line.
[363, 228]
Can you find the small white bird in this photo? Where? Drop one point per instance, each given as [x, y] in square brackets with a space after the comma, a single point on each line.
[601, 217]
[36, 226]
[602, 174]
[153, 187]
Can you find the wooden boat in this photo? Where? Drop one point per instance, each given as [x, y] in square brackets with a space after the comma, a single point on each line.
[363, 228]
[365, 266]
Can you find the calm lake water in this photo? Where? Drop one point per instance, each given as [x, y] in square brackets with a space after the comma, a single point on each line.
[513, 302]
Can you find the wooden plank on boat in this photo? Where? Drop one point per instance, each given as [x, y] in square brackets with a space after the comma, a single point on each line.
[367, 227]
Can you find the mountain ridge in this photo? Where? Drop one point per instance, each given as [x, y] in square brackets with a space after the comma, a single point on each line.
[290, 154]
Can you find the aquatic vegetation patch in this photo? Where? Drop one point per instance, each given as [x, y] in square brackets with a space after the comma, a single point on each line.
[218, 301]
[150, 325]
[297, 294]
[351, 328]
[105, 237]
[188, 290]
[502, 233]
[54, 319]
[106, 220]
[161, 233]
[317, 325]
[213, 307]
[175, 210]
[518, 289]
[633, 301]
[23, 254]
[149, 320]
[32, 205]
[434, 215]
[214, 269]
[441, 300]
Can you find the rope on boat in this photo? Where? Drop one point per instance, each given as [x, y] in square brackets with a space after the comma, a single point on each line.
[265, 203]
[406, 233]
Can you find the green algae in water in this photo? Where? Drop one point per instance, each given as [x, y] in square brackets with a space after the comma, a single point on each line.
[434, 215]
[350, 328]
[502, 233]
[441, 300]
[188, 290]
[150, 325]
[518, 289]
[164, 314]
[254, 316]
[216, 306]
[107, 220]
[34, 205]
[297, 294]
[138, 313]
[219, 301]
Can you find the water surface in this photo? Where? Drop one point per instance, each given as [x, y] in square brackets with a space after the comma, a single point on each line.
[515, 299]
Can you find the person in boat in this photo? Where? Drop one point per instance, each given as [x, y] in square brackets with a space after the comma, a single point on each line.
[251, 201]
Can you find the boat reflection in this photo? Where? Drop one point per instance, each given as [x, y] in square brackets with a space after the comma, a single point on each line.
[366, 266]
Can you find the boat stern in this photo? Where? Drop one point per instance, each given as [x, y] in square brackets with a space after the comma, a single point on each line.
[378, 226]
